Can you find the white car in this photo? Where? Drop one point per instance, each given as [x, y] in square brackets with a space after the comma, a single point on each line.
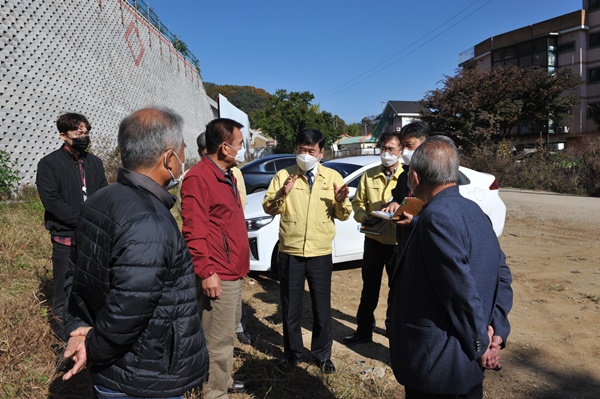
[263, 229]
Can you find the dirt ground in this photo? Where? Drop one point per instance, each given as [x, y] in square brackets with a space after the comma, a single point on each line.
[553, 247]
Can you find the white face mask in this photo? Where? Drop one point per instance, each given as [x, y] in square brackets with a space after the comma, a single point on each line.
[406, 156]
[388, 159]
[241, 154]
[306, 162]
[175, 182]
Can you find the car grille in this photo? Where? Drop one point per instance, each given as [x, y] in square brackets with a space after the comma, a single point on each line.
[253, 248]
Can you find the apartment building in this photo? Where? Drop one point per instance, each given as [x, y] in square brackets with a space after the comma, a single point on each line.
[567, 41]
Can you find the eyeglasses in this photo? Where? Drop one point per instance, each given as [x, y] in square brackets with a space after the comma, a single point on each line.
[391, 150]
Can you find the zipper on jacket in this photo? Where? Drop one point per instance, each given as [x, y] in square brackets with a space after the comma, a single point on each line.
[226, 246]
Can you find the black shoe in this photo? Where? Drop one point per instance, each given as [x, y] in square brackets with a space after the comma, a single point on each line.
[237, 387]
[326, 366]
[356, 338]
[288, 362]
[244, 338]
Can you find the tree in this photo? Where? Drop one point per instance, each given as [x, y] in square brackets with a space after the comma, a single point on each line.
[595, 112]
[286, 114]
[355, 129]
[476, 107]
[247, 98]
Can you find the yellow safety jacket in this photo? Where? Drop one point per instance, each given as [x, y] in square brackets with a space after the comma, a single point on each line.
[373, 193]
[306, 227]
[241, 186]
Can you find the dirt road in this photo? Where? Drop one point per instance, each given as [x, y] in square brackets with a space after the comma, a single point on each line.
[553, 247]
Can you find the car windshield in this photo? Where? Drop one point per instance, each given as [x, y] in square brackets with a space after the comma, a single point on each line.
[343, 169]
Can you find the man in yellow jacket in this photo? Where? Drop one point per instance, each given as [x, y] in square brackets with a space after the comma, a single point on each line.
[308, 196]
[373, 193]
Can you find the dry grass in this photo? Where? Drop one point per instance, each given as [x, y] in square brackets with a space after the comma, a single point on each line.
[260, 363]
[26, 361]
[28, 346]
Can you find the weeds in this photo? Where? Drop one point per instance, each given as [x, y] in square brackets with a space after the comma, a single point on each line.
[592, 297]
[557, 287]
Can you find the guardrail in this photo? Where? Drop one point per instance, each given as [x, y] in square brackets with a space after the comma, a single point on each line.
[466, 55]
[152, 17]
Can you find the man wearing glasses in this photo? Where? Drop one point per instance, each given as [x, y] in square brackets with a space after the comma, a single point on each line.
[65, 179]
[373, 193]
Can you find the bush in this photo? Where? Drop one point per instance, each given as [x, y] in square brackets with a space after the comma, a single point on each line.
[9, 176]
[112, 163]
[575, 171]
[586, 164]
[111, 159]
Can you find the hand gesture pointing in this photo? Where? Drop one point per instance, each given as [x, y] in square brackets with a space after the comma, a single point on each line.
[341, 193]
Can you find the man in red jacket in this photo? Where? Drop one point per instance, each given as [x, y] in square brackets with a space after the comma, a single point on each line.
[215, 230]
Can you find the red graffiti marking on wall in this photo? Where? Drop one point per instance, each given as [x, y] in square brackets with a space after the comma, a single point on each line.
[132, 37]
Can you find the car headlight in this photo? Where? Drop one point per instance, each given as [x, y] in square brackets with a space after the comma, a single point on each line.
[258, 223]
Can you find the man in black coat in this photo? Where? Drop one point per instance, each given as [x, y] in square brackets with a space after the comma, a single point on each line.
[132, 312]
[65, 178]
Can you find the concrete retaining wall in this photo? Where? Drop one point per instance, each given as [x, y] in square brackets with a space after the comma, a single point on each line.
[97, 57]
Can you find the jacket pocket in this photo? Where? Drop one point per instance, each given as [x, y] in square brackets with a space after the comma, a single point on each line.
[418, 346]
[170, 349]
[226, 247]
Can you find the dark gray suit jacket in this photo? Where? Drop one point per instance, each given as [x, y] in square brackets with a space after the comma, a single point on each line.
[451, 283]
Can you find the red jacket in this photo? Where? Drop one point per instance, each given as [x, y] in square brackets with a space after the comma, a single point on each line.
[214, 226]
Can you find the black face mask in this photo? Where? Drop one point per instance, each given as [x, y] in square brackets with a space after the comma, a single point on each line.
[80, 143]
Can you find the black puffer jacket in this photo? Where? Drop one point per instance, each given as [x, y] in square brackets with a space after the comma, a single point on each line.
[132, 280]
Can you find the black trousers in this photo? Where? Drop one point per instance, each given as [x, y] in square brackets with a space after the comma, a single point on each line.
[293, 271]
[474, 393]
[376, 256]
[60, 264]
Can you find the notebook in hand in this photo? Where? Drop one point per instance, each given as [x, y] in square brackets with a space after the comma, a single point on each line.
[410, 205]
[373, 227]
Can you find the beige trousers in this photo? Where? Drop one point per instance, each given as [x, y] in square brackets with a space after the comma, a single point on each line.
[219, 321]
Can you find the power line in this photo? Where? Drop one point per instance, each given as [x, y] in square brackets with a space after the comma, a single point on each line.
[357, 79]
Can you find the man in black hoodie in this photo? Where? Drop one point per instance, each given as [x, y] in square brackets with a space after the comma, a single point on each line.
[65, 178]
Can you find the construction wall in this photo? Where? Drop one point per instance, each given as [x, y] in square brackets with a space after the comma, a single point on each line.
[96, 57]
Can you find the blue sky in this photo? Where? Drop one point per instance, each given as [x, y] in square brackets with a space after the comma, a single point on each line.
[351, 54]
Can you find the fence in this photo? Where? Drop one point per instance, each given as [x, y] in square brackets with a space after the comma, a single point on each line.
[144, 9]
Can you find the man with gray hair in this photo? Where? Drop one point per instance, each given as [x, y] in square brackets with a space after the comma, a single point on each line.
[450, 293]
[132, 311]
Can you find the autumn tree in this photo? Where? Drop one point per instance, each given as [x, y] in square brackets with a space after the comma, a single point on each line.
[286, 114]
[247, 98]
[475, 107]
